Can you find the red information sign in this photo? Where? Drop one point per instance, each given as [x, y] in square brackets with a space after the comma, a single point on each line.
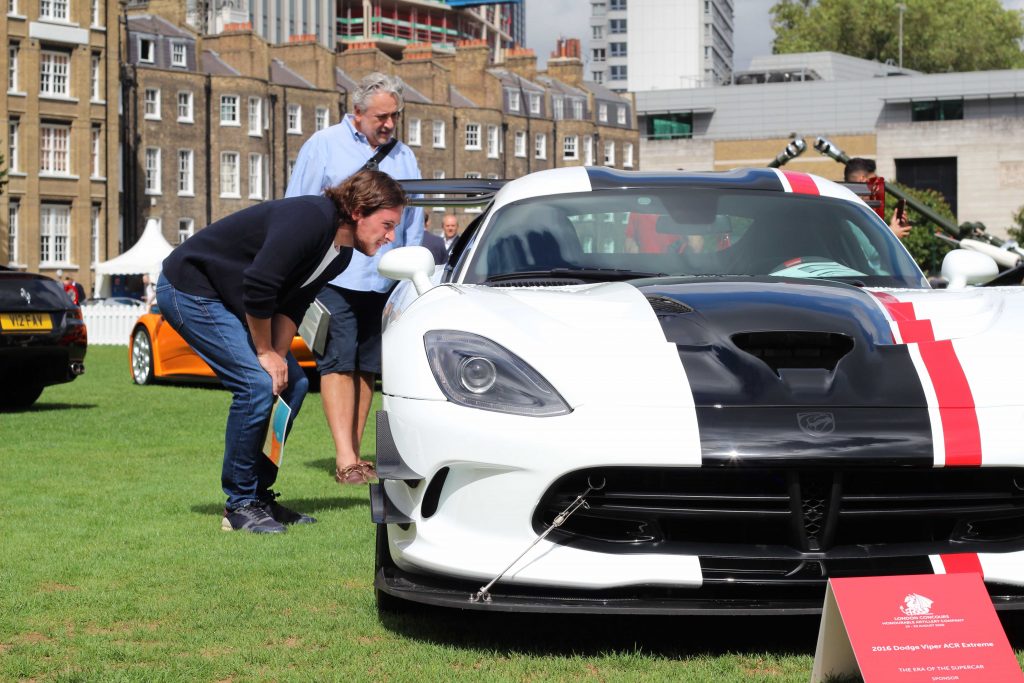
[911, 629]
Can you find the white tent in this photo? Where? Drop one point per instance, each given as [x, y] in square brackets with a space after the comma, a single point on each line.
[145, 257]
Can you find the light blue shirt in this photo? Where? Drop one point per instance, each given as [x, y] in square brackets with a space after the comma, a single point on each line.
[333, 154]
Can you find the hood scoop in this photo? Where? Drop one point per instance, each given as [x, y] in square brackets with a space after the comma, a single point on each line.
[666, 305]
[782, 350]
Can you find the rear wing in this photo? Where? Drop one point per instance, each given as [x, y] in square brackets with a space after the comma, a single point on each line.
[451, 191]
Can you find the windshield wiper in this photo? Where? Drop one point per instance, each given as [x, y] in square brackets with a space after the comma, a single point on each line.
[600, 274]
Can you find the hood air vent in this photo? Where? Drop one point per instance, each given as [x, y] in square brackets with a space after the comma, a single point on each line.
[664, 305]
[795, 350]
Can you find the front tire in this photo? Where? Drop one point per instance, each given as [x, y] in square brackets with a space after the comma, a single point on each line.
[142, 356]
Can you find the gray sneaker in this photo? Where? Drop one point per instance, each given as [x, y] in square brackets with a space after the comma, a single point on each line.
[253, 517]
[285, 515]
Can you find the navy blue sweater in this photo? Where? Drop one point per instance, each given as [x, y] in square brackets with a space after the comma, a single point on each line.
[259, 260]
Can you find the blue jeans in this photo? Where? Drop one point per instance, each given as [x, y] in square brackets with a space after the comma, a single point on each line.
[221, 340]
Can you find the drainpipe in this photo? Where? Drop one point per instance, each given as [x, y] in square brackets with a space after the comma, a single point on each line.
[273, 144]
[207, 91]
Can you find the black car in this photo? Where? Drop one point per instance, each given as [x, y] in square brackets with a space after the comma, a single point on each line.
[42, 337]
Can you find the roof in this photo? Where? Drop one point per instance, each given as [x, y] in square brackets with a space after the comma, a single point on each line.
[148, 23]
[457, 99]
[829, 66]
[282, 75]
[560, 87]
[603, 93]
[215, 66]
[411, 94]
[145, 256]
[514, 80]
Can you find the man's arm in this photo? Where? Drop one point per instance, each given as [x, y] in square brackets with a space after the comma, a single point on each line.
[282, 331]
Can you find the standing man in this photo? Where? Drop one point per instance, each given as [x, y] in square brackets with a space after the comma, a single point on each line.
[451, 230]
[356, 298]
[861, 170]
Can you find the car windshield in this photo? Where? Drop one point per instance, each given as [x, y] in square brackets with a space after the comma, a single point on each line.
[629, 233]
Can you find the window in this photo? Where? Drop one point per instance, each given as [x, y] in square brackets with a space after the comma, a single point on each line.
[598, 54]
[147, 50]
[94, 233]
[616, 26]
[256, 116]
[438, 175]
[95, 91]
[12, 67]
[520, 149]
[95, 148]
[514, 101]
[569, 147]
[556, 105]
[152, 170]
[627, 155]
[97, 17]
[438, 133]
[229, 110]
[413, 132]
[186, 228]
[617, 49]
[321, 118]
[577, 109]
[588, 151]
[229, 174]
[597, 76]
[937, 110]
[178, 55]
[294, 119]
[472, 136]
[669, 126]
[12, 230]
[12, 8]
[617, 4]
[618, 72]
[13, 163]
[602, 112]
[597, 32]
[609, 154]
[151, 104]
[186, 172]
[541, 146]
[185, 106]
[620, 115]
[255, 176]
[54, 221]
[55, 10]
[535, 103]
[53, 73]
[493, 142]
[53, 144]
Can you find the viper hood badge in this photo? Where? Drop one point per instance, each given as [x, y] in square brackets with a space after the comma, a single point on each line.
[816, 424]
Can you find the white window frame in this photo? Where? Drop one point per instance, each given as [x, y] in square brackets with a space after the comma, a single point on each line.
[473, 175]
[577, 109]
[230, 175]
[493, 142]
[229, 105]
[13, 138]
[54, 74]
[627, 155]
[558, 108]
[96, 18]
[535, 104]
[438, 175]
[55, 149]
[94, 233]
[609, 153]
[570, 147]
[186, 173]
[151, 104]
[520, 143]
[13, 214]
[588, 150]
[255, 176]
[147, 50]
[151, 168]
[414, 133]
[620, 115]
[96, 151]
[54, 10]
[95, 89]
[12, 8]
[186, 228]
[602, 112]
[513, 101]
[12, 66]
[438, 134]
[294, 119]
[256, 117]
[179, 55]
[473, 136]
[540, 146]
[187, 105]
[321, 118]
[54, 234]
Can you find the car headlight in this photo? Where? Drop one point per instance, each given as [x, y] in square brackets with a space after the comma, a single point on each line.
[476, 372]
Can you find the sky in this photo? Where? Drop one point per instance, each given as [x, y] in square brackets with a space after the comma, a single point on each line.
[546, 20]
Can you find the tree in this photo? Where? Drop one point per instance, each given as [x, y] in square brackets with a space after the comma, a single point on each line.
[923, 245]
[938, 35]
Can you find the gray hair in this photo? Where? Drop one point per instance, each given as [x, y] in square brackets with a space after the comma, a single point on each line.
[375, 84]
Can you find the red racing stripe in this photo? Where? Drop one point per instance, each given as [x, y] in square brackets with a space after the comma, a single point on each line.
[962, 563]
[960, 430]
[801, 182]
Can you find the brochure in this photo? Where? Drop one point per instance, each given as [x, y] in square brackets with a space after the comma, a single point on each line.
[277, 430]
[313, 328]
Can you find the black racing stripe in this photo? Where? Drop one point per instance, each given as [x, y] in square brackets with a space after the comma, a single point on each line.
[746, 178]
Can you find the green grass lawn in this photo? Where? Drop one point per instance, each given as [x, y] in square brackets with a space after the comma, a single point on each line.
[113, 567]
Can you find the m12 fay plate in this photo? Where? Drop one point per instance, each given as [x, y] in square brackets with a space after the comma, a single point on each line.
[14, 323]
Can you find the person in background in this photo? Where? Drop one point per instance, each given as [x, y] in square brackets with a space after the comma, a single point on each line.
[432, 242]
[860, 170]
[355, 299]
[236, 292]
[450, 226]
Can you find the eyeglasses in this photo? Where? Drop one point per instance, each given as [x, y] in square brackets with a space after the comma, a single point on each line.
[394, 116]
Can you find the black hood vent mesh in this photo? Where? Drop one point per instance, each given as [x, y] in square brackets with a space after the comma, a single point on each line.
[790, 350]
[664, 305]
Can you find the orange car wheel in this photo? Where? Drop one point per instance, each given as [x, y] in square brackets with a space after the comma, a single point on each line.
[142, 356]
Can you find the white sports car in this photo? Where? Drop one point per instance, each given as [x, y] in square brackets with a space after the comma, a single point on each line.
[691, 392]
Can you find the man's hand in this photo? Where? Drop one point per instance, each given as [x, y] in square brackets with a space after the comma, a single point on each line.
[277, 368]
[900, 226]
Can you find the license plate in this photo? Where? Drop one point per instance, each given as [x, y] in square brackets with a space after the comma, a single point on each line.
[25, 322]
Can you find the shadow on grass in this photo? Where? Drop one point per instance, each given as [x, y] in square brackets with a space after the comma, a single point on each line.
[592, 635]
[47, 407]
[306, 505]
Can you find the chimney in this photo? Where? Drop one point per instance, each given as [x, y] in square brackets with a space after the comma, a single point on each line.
[565, 63]
[521, 61]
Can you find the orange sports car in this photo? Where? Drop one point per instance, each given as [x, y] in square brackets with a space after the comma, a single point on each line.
[157, 352]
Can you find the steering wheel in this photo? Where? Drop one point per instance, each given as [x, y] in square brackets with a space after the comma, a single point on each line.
[789, 263]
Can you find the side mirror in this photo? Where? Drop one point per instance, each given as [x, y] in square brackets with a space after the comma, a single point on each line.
[962, 267]
[409, 263]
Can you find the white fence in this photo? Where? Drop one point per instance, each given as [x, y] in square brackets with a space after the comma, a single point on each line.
[110, 324]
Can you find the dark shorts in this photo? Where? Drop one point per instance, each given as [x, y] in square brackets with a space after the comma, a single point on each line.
[353, 337]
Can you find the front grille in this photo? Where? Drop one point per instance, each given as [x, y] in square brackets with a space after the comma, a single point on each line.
[801, 524]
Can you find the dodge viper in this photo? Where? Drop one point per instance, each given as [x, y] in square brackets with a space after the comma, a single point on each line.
[691, 393]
